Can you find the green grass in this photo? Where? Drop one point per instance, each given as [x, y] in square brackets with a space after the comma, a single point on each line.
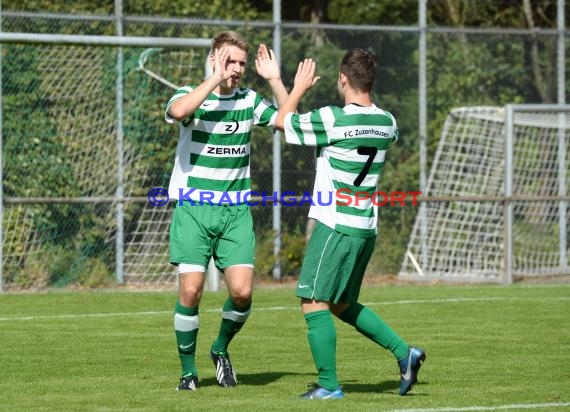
[487, 346]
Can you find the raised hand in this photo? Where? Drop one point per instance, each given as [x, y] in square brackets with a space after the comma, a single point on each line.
[305, 77]
[221, 67]
[266, 63]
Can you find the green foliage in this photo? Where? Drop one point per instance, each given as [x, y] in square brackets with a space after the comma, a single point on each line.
[290, 257]
[491, 13]
[391, 243]
[34, 273]
[219, 9]
[395, 12]
[292, 252]
[95, 274]
[41, 164]
[62, 263]
[60, 6]
[36, 165]
[264, 257]
[62, 266]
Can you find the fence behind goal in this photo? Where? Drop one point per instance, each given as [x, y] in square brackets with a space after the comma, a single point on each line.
[511, 167]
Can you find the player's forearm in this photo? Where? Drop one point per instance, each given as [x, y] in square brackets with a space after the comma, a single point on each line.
[289, 106]
[187, 104]
[279, 90]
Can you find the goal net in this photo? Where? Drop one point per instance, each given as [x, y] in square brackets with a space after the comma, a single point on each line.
[172, 67]
[146, 260]
[466, 240]
[60, 141]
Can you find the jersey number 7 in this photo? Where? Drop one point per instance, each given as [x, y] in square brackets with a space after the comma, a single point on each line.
[371, 153]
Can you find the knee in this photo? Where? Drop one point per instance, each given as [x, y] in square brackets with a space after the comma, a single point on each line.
[338, 308]
[241, 298]
[189, 295]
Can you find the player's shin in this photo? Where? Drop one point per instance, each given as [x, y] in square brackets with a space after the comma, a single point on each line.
[233, 319]
[321, 335]
[186, 325]
[368, 323]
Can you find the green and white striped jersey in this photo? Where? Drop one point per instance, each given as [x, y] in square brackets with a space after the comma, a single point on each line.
[212, 156]
[351, 147]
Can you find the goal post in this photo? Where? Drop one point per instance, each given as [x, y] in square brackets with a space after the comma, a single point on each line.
[505, 174]
[555, 120]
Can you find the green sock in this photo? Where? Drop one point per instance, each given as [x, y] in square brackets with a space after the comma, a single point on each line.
[321, 335]
[186, 325]
[233, 318]
[374, 328]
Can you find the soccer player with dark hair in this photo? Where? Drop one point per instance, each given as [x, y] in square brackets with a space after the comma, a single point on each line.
[211, 178]
[351, 146]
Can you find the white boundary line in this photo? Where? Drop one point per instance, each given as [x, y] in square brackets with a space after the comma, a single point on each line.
[489, 408]
[276, 308]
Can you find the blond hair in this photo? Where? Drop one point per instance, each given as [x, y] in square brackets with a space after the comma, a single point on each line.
[230, 38]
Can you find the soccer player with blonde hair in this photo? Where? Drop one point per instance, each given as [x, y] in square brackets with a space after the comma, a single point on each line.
[211, 180]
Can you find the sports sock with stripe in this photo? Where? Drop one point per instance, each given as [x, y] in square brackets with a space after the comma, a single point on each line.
[233, 319]
[186, 325]
[321, 334]
[374, 328]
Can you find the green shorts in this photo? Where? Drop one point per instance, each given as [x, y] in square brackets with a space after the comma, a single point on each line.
[200, 232]
[334, 266]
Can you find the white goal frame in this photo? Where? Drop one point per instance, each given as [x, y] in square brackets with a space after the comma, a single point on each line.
[510, 112]
[498, 234]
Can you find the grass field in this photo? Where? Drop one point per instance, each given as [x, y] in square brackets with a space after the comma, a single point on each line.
[488, 348]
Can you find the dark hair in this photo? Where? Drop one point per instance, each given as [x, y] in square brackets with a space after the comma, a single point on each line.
[359, 67]
[231, 38]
